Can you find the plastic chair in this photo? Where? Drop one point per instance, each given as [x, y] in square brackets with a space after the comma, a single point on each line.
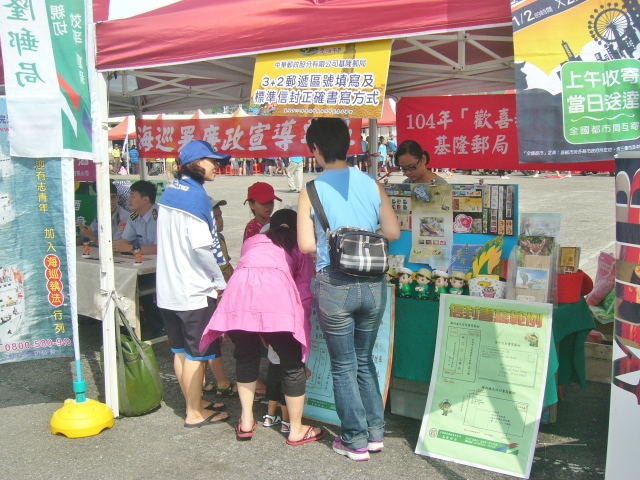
[256, 167]
[228, 170]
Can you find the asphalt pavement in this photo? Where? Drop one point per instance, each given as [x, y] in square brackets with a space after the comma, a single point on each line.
[158, 446]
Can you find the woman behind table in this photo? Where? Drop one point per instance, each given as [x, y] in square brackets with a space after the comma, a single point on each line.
[188, 276]
[350, 308]
[412, 161]
[269, 295]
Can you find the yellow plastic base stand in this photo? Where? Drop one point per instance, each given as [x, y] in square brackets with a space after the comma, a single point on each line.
[79, 420]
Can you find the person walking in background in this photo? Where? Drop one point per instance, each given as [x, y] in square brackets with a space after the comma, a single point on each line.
[188, 275]
[116, 157]
[134, 157]
[294, 173]
[269, 295]
[392, 148]
[362, 158]
[349, 307]
[249, 162]
[382, 155]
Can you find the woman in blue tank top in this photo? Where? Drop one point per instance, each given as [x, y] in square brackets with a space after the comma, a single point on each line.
[350, 308]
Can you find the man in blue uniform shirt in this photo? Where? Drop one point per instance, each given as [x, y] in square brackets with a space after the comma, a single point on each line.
[141, 225]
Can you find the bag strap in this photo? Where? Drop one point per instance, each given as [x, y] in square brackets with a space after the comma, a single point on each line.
[317, 206]
[139, 346]
[123, 398]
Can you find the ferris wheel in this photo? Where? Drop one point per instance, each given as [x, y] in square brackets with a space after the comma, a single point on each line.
[609, 24]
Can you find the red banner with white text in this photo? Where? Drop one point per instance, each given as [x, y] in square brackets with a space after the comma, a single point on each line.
[242, 137]
[472, 132]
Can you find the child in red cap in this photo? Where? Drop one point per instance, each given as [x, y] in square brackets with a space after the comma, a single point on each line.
[260, 197]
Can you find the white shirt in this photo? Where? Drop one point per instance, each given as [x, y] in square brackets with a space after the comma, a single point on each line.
[181, 281]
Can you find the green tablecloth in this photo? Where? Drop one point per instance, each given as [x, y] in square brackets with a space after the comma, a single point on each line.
[572, 323]
[416, 328]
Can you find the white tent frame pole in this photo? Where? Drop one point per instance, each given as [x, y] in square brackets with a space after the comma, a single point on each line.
[107, 278]
[98, 88]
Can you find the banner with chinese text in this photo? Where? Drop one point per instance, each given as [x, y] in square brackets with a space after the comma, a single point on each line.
[488, 381]
[242, 137]
[577, 73]
[35, 316]
[45, 72]
[344, 80]
[470, 132]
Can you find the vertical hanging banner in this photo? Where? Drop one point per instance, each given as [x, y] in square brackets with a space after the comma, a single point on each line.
[577, 74]
[35, 316]
[44, 57]
[487, 386]
[624, 414]
[345, 80]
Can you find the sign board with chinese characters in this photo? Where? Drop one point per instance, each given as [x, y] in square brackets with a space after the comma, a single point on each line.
[576, 80]
[45, 74]
[471, 132]
[35, 314]
[488, 382]
[242, 137]
[319, 403]
[344, 80]
[84, 170]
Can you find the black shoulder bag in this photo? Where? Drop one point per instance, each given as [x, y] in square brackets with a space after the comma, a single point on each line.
[352, 250]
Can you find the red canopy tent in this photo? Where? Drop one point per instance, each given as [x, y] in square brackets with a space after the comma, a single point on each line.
[388, 115]
[440, 46]
[126, 128]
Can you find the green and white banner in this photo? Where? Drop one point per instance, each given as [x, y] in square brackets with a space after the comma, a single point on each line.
[46, 79]
[488, 381]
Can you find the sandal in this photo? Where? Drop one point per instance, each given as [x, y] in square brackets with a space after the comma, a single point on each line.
[241, 434]
[209, 387]
[285, 427]
[271, 420]
[227, 392]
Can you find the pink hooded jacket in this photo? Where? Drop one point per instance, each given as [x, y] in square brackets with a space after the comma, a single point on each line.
[269, 291]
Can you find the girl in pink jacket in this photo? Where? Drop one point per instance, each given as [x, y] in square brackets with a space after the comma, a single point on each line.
[269, 295]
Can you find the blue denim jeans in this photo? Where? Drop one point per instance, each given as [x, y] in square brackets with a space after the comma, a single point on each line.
[350, 310]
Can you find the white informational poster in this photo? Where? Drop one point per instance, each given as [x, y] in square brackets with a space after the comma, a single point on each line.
[488, 381]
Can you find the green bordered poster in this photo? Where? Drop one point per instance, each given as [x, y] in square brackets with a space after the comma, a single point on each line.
[320, 403]
[490, 370]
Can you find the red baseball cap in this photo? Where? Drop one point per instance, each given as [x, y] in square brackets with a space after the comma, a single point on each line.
[261, 192]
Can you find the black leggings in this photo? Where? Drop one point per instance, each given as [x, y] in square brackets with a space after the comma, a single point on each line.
[247, 355]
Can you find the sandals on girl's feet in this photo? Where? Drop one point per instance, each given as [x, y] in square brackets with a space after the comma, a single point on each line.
[271, 420]
[227, 392]
[241, 434]
[285, 427]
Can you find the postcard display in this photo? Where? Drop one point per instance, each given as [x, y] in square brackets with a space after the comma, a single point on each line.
[624, 416]
[444, 226]
[487, 390]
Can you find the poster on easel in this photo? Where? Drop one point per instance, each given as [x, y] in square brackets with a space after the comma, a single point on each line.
[320, 403]
[488, 381]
